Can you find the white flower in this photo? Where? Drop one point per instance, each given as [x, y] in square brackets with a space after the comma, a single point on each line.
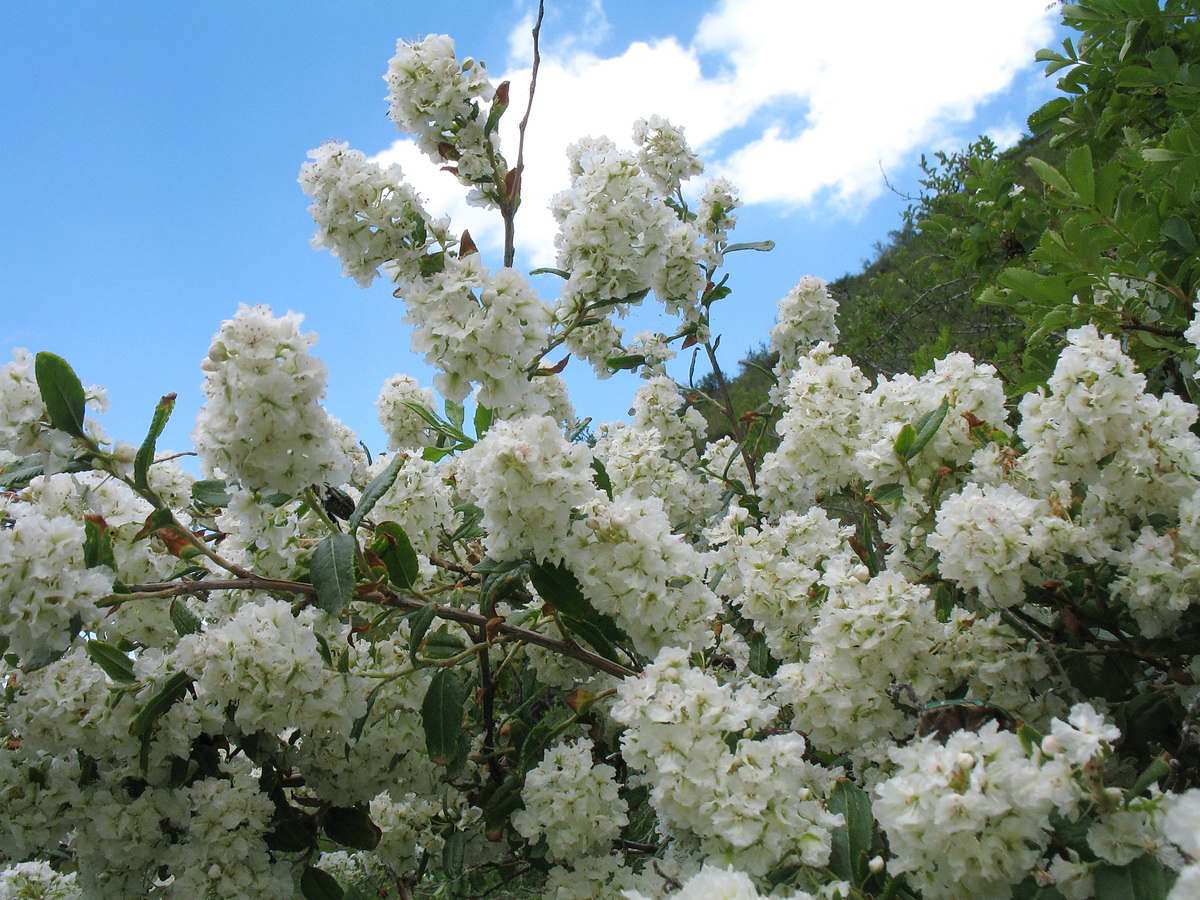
[49, 593]
[571, 802]
[366, 216]
[806, 317]
[404, 427]
[262, 422]
[664, 154]
[526, 478]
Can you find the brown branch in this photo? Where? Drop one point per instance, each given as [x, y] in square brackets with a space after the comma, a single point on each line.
[391, 600]
[514, 196]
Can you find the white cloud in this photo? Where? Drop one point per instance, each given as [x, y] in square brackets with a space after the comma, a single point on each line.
[788, 100]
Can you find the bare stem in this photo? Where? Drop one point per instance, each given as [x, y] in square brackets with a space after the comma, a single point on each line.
[509, 210]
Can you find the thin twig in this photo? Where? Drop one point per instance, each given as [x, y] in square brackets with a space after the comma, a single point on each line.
[510, 251]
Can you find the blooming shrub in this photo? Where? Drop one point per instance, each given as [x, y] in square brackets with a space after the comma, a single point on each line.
[939, 642]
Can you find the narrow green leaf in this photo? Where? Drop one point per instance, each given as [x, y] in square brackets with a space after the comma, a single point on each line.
[853, 842]
[171, 691]
[392, 545]
[145, 454]
[419, 625]
[762, 246]
[1030, 737]
[18, 473]
[927, 426]
[761, 662]
[454, 853]
[500, 585]
[97, 543]
[1158, 769]
[380, 485]
[550, 270]
[317, 884]
[632, 361]
[502, 803]
[352, 827]
[211, 493]
[61, 391]
[888, 493]
[333, 573]
[116, 665]
[442, 715]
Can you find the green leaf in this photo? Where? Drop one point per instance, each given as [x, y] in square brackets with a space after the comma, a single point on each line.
[333, 572]
[1050, 175]
[442, 645]
[632, 361]
[116, 665]
[432, 263]
[1081, 174]
[1158, 769]
[502, 803]
[561, 589]
[904, 441]
[888, 493]
[352, 827]
[184, 620]
[380, 485]
[500, 585]
[852, 844]
[762, 246]
[211, 493]
[1143, 879]
[1044, 117]
[145, 454]
[1178, 230]
[456, 414]
[392, 545]
[442, 715]
[762, 663]
[168, 695]
[61, 391]
[482, 420]
[593, 635]
[20, 472]
[926, 427]
[317, 884]
[601, 479]
[97, 543]
[550, 270]
[419, 625]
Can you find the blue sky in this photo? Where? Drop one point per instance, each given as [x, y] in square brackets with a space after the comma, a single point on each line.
[150, 157]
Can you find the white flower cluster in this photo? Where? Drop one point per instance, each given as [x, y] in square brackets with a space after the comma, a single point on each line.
[807, 317]
[262, 422]
[405, 428]
[612, 228]
[366, 216]
[473, 325]
[269, 665]
[572, 802]
[749, 802]
[664, 154]
[777, 572]
[713, 883]
[971, 817]
[435, 98]
[819, 431]
[37, 881]
[633, 568]
[526, 478]
[715, 218]
[49, 594]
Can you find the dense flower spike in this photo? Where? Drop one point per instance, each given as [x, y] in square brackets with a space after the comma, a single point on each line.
[262, 423]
